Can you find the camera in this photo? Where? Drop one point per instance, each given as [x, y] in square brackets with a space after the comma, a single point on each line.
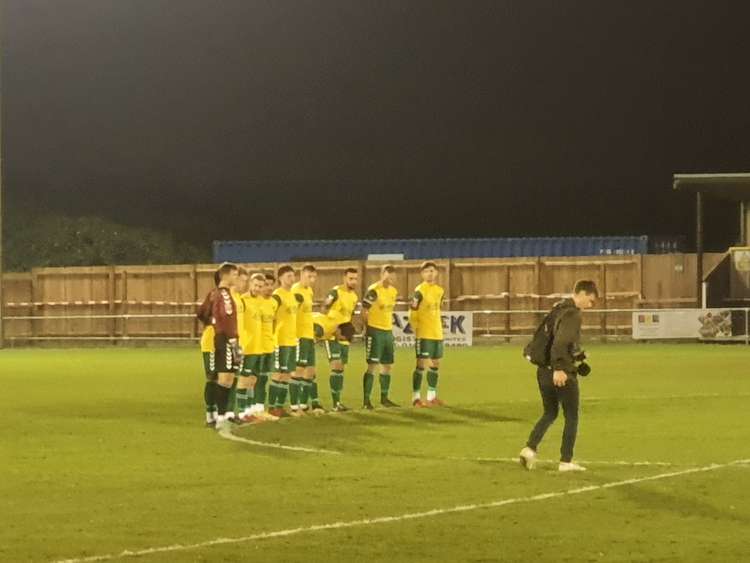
[583, 369]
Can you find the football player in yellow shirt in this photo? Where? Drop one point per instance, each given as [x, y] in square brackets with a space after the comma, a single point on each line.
[285, 330]
[237, 290]
[268, 345]
[303, 386]
[339, 307]
[328, 331]
[427, 323]
[378, 305]
[252, 346]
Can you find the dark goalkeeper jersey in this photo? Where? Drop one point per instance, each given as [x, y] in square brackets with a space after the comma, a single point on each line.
[223, 312]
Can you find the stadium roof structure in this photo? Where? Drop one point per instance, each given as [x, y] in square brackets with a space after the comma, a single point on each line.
[733, 186]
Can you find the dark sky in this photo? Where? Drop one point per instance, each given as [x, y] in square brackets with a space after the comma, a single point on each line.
[315, 119]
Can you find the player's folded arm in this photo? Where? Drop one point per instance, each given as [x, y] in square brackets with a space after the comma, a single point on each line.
[369, 299]
[331, 298]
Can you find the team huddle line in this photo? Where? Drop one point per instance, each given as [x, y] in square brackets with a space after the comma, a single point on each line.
[260, 332]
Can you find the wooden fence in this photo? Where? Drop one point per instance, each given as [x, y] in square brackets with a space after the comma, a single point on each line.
[156, 302]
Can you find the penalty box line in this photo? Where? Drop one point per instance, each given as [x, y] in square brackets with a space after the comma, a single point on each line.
[400, 517]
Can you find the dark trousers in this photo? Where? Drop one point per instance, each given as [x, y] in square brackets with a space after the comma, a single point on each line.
[552, 398]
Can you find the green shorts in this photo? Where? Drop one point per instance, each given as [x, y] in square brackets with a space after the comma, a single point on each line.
[337, 351]
[285, 359]
[379, 345]
[306, 353]
[209, 365]
[267, 364]
[428, 349]
[252, 365]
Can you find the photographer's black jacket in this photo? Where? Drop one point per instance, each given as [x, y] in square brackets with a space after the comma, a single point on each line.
[566, 339]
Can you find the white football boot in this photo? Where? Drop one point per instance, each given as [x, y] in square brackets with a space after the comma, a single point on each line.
[527, 458]
[570, 466]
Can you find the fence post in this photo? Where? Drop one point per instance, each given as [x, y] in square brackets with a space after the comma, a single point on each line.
[447, 283]
[125, 304]
[34, 299]
[111, 299]
[507, 303]
[194, 278]
[2, 295]
[538, 289]
[603, 276]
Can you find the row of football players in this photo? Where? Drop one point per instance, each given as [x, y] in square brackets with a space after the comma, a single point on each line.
[260, 331]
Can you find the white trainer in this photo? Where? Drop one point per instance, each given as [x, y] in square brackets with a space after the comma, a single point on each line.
[570, 466]
[527, 458]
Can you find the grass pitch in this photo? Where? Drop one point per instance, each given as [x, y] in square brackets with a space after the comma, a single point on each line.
[104, 450]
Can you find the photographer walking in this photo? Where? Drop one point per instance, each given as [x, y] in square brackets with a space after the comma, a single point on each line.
[555, 350]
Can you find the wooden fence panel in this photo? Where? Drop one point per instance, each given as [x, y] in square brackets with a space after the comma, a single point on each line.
[159, 290]
[524, 289]
[71, 291]
[17, 289]
[471, 284]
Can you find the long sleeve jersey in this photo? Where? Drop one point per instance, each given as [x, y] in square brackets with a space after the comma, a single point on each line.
[218, 309]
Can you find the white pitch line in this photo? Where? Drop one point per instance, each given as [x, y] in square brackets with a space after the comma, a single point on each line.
[585, 462]
[669, 397]
[227, 435]
[401, 517]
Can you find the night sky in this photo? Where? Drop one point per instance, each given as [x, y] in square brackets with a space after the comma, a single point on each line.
[352, 119]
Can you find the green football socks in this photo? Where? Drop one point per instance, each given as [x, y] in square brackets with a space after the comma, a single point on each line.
[385, 385]
[416, 380]
[432, 383]
[295, 386]
[367, 382]
[312, 387]
[241, 398]
[337, 385]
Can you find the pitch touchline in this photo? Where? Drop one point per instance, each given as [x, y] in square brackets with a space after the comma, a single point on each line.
[399, 518]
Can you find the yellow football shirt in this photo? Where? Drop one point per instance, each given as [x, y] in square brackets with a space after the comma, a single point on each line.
[425, 311]
[252, 326]
[380, 302]
[239, 306]
[341, 303]
[268, 306]
[285, 327]
[305, 311]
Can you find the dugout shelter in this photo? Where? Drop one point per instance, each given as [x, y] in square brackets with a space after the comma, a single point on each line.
[728, 284]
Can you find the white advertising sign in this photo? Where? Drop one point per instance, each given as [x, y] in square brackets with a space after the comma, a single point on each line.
[458, 328]
[708, 324]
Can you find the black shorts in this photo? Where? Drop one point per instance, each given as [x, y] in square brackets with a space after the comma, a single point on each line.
[224, 359]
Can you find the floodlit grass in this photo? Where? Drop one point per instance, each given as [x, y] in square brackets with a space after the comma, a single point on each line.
[103, 450]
